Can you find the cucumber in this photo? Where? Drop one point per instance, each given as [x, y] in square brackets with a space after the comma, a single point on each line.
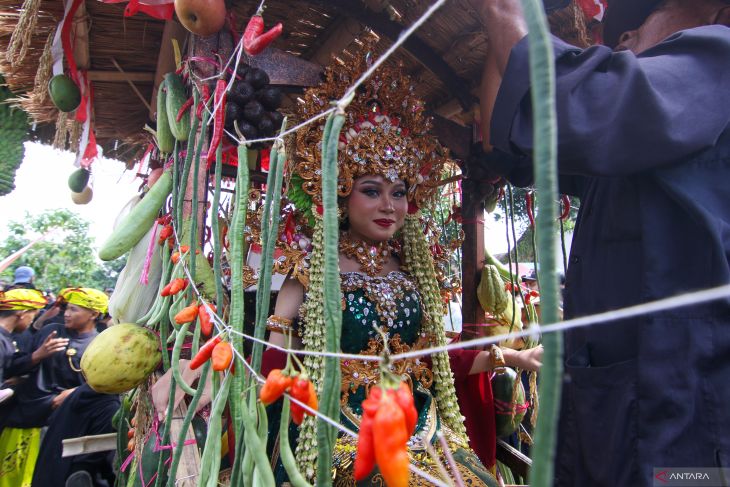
[174, 100]
[165, 140]
[138, 222]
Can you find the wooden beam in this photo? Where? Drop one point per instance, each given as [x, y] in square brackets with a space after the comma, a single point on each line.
[81, 38]
[381, 23]
[117, 77]
[88, 444]
[517, 461]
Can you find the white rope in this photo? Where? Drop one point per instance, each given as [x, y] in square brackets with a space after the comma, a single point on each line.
[674, 302]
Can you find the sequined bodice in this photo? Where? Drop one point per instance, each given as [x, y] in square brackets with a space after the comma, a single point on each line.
[391, 302]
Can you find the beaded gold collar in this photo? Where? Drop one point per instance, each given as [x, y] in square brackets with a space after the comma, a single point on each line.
[371, 258]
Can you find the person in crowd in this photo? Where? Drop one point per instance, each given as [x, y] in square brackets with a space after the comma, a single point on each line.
[51, 382]
[23, 278]
[18, 308]
[84, 413]
[644, 141]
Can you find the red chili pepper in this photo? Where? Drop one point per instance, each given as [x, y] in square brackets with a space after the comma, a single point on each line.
[255, 39]
[204, 97]
[187, 314]
[184, 108]
[184, 248]
[204, 353]
[166, 290]
[275, 385]
[404, 398]
[165, 233]
[219, 116]
[206, 325]
[222, 356]
[312, 402]
[565, 203]
[300, 392]
[529, 207]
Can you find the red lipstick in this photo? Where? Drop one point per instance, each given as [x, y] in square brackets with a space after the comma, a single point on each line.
[384, 222]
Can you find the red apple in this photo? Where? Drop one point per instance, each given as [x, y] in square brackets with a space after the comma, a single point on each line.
[201, 17]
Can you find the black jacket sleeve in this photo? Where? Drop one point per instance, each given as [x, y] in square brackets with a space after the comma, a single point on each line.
[619, 113]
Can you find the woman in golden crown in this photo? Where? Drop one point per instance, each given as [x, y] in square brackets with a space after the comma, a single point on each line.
[388, 169]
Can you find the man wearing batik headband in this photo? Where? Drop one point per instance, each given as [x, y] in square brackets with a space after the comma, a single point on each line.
[18, 308]
[58, 374]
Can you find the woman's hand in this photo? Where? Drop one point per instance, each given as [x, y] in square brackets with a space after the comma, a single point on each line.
[50, 346]
[530, 359]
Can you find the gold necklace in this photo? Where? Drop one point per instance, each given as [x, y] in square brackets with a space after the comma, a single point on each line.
[371, 258]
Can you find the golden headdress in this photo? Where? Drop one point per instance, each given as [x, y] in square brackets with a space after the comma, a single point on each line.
[386, 133]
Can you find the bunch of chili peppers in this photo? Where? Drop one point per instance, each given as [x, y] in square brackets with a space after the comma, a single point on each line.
[217, 349]
[298, 386]
[389, 419]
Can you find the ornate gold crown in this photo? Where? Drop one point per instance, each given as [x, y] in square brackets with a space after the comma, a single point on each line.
[386, 133]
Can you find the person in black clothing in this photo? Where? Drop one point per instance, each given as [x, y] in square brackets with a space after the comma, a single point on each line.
[644, 141]
[84, 413]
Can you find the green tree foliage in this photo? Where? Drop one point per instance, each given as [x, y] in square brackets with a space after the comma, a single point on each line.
[66, 258]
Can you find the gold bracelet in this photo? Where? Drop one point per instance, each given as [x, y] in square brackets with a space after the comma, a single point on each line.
[279, 324]
[496, 359]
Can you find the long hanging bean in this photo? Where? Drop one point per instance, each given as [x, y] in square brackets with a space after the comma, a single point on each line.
[179, 339]
[542, 77]
[177, 452]
[210, 463]
[330, 402]
[285, 452]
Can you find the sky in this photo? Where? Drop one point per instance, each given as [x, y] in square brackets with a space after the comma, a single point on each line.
[41, 183]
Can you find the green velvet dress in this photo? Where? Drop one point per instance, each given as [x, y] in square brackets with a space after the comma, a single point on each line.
[391, 302]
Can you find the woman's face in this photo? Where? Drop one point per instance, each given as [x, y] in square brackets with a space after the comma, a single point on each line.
[376, 208]
[78, 318]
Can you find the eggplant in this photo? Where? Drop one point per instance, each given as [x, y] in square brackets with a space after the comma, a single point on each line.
[266, 127]
[253, 111]
[276, 118]
[233, 112]
[248, 131]
[257, 77]
[269, 97]
[243, 69]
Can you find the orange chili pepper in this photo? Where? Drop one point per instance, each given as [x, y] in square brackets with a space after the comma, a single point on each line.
[300, 392]
[275, 385]
[184, 248]
[365, 458]
[222, 356]
[165, 233]
[404, 398]
[175, 257]
[206, 325]
[187, 314]
[390, 438]
[178, 285]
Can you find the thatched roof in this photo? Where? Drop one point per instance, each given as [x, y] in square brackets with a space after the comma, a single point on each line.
[445, 58]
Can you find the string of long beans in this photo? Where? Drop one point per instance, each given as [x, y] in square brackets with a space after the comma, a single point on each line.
[236, 314]
[215, 224]
[296, 479]
[542, 77]
[269, 230]
[330, 401]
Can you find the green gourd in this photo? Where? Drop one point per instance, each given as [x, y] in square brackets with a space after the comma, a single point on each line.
[165, 139]
[138, 222]
[64, 93]
[174, 100]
